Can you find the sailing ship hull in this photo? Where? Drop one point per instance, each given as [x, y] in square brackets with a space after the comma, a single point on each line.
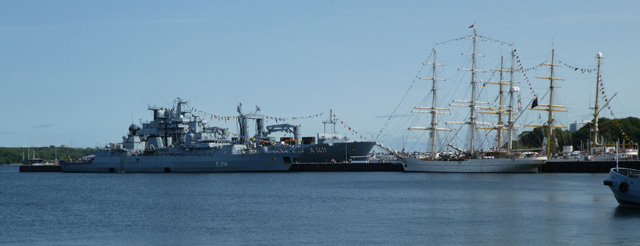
[502, 165]
[184, 164]
[625, 185]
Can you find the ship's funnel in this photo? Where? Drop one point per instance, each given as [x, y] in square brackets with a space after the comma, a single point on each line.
[296, 133]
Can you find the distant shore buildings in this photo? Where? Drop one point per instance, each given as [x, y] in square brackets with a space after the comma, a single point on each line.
[574, 127]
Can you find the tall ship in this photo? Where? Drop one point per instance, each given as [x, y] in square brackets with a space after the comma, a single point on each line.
[177, 141]
[328, 147]
[472, 160]
[598, 151]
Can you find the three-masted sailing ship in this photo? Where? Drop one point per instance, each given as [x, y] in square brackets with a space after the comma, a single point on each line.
[473, 161]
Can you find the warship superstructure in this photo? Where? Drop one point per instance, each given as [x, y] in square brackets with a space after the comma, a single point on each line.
[177, 141]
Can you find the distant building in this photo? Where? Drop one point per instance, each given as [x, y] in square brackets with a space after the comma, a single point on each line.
[574, 127]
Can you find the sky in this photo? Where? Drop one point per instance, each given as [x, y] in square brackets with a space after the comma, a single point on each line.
[78, 73]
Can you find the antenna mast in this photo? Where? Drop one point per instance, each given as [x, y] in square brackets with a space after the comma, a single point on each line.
[330, 121]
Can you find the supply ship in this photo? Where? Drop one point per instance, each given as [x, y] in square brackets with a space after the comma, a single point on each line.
[330, 147]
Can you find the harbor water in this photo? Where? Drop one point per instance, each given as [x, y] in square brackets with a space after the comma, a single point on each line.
[300, 208]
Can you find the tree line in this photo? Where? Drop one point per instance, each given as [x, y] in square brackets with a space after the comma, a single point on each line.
[47, 154]
[610, 131]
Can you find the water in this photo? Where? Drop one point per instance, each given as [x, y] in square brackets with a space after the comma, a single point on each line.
[366, 208]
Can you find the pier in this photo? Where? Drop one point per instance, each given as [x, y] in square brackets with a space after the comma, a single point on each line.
[346, 167]
[585, 166]
[549, 167]
[40, 168]
[298, 167]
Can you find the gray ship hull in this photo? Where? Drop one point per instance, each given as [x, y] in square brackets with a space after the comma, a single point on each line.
[184, 164]
[336, 152]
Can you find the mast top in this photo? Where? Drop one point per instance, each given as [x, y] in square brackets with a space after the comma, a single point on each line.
[331, 121]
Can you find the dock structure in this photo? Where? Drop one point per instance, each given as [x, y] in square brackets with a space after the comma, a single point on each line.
[298, 167]
[39, 168]
[586, 166]
[549, 167]
[346, 167]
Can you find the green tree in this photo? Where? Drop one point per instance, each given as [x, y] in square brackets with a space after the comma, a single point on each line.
[623, 130]
[47, 154]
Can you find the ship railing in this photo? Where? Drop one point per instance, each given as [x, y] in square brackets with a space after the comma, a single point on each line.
[628, 172]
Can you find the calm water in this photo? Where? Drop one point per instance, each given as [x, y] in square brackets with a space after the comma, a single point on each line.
[365, 208]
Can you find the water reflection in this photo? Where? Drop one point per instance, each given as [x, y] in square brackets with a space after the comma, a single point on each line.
[627, 212]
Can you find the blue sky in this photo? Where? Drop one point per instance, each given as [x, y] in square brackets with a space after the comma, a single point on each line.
[78, 72]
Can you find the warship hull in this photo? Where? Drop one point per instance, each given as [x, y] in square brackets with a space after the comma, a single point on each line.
[184, 164]
[334, 152]
[500, 165]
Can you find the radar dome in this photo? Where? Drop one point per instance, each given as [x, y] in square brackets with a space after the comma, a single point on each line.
[133, 128]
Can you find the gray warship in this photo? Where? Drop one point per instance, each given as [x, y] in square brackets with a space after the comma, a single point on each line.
[177, 141]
